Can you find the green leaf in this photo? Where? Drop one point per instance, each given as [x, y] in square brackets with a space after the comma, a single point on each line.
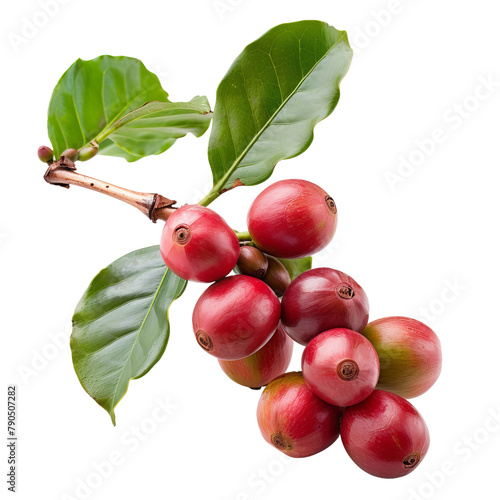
[271, 98]
[154, 127]
[107, 100]
[296, 267]
[120, 326]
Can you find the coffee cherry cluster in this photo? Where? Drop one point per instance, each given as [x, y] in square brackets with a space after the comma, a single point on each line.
[355, 377]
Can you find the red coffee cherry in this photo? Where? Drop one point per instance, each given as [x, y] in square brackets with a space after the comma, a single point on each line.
[321, 299]
[292, 218]
[294, 420]
[198, 245]
[265, 365]
[340, 366]
[385, 435]
[409, 352]
[235, 317]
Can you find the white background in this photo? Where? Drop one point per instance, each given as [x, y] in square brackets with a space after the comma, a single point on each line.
[430, 243]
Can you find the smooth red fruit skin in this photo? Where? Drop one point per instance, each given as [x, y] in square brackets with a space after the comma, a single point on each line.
[292, 218]
[263, 366]
[198, 245]
[235, 317]
[385, 435]
[295, 421]
[340, 366]
[321, 299]
[409, 353]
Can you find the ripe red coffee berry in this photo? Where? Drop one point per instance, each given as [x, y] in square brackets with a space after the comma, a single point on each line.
[409, 353]
[265, 365]
[198, 245]
[321, 299]
[292, 218]
[295, 421]
[340, 366]
[235, 317]
[252, 262]
[385, 435]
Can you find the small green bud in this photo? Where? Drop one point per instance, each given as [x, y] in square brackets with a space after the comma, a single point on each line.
[45, 154]
[88, 152]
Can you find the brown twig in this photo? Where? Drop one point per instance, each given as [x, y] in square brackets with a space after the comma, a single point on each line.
[155, 206]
